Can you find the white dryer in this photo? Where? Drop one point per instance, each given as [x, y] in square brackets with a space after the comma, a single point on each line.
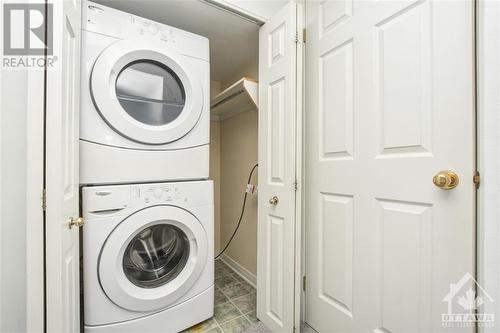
[144, 101]
[148, 261]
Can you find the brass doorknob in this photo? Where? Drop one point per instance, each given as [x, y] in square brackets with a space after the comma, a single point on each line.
[446, 180]
[274, 201]
[75, 222]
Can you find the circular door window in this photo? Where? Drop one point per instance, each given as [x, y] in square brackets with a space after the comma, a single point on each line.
[150, 92]
[146, 92]
[156, 255]
[152, 258]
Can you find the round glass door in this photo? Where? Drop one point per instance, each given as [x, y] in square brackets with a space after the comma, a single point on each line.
[146, 92]
[150, 92]
[152, 258]
[156, 255]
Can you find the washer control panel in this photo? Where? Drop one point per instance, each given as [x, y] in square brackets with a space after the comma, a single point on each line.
[158, 193]
[116, 200]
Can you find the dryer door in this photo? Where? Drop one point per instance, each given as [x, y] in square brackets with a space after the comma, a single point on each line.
[152, 258]
[146, 91]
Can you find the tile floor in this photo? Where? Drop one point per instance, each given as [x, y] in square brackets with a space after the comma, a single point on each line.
[235, 304]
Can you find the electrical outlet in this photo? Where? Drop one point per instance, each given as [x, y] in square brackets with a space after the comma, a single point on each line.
[251, 189]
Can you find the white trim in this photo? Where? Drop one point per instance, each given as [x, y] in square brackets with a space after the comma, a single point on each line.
[240, 270]
[299, 296]
[488, 85]
[1, 180]
[233, 8]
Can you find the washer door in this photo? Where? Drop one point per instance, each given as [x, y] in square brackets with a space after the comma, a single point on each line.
[146, 92]
[152, 258]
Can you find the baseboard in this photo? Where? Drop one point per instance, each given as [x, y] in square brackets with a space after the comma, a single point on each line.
[240, 270]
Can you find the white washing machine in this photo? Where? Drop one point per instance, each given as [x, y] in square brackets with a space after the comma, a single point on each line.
[148, 261]
[145, 112]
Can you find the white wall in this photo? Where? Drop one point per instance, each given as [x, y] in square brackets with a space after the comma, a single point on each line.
[489, 155]
[250, 71]
[238, 154]
[21, 183]
[21, 220]
[13, 205]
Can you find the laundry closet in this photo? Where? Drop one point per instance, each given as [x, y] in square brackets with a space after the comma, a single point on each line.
[169, 166]
[233, 116]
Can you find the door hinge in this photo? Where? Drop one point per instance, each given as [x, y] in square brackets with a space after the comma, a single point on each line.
[477, 179]
[44, 200]
[295, 185]
[304, 35]
[296, 37]
[304, 283]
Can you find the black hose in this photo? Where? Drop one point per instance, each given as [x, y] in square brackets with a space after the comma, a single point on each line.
[241, 214]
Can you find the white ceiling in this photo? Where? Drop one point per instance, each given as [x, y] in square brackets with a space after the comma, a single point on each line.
[233, 40]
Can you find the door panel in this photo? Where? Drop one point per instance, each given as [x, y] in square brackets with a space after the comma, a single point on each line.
[276, 130]
[277, 153]
[62, 176]
[403, 86]
[335, 251]
[390, 102]
[336, 133]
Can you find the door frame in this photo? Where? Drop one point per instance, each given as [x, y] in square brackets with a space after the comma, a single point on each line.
[488, 153]
[299, 284]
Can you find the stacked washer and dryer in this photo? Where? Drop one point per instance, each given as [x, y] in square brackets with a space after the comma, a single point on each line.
[144, 156]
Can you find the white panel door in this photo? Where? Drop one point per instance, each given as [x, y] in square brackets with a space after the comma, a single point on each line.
[277, 153]
[389, 103]
[62, 113]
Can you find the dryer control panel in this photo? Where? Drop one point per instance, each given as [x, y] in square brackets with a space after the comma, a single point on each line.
[118, 24]
[98, 17]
